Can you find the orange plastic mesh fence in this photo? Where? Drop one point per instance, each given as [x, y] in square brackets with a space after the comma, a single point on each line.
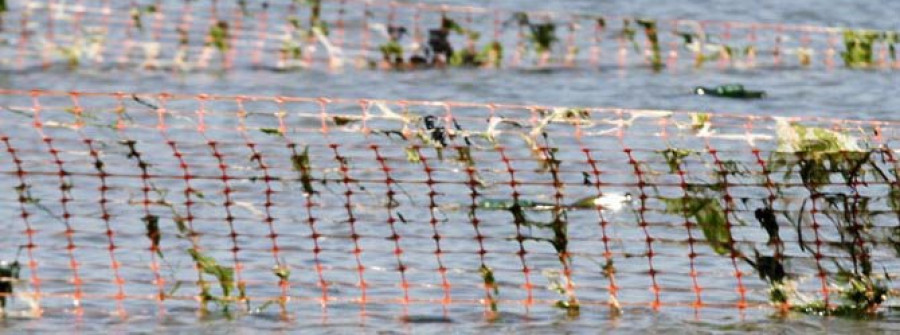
[133, 201]
[191, 35]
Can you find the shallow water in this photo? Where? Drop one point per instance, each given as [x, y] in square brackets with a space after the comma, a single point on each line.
[839, 93]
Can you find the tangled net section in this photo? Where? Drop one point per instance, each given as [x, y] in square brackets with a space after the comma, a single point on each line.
[131, 202]
[334, 34]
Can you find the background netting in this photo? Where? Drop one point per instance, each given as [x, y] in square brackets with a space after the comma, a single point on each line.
[281, 35]
[138, 202]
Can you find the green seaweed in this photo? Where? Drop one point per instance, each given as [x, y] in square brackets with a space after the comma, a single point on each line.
[861, 297]
[769, 268]
[819, 156]
[609, 269]
[894, 240]
[342, 120]
[675, 157]
[709, 215]
[135, 13]
[818, 153]
[301, 164]
[767, 220]
[23, 191]
[272, 131]
[72, 55]
[451, 25]
[560, 240]
[153, 234]
[282, 272]
[219, 36]
[464, 57]
[294, 21]
[487, 276]
[464, 155]
[181, 225]
[492, 53]
[560, 227]
[292, 49]
[699, 120]
[412, 155]
[651, 32]
[701, 206]
[858, 47]
[467, 56]
[242, 294]
[315, 17]
[629, 33]
[894, 198]
[543, 36]
[223, 274]
[560, 283]
[891, 38]
[391, 52]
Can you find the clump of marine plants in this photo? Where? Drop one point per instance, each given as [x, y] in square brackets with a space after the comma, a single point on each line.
[832, 167]
[822, 159]
[315, 17]
[297, 37]
[230, 292]
[490, 55]
[440, 52]
[560, 280]
[859, 46]
[541, 37]
[392, 50]
[291, 44]
[705, 48]
[223, 274]
[652, 38]
[219, 38]
[702, 201]
[136, 14]
[490, 284]
[440, 134]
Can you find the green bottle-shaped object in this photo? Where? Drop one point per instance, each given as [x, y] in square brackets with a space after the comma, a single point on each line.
[736, 91]
[9, 272]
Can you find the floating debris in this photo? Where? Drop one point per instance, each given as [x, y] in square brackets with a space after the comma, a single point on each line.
[9, 274]
[734, 91]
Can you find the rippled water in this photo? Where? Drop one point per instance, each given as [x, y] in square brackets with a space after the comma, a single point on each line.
[866, 95]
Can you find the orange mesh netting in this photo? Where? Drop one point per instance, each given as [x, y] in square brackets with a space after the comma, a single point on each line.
[191, 35]
[132, 202]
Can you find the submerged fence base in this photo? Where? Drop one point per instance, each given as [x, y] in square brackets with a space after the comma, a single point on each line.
[133, 202]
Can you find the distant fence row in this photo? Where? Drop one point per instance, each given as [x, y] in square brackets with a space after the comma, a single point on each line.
[336, 34]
